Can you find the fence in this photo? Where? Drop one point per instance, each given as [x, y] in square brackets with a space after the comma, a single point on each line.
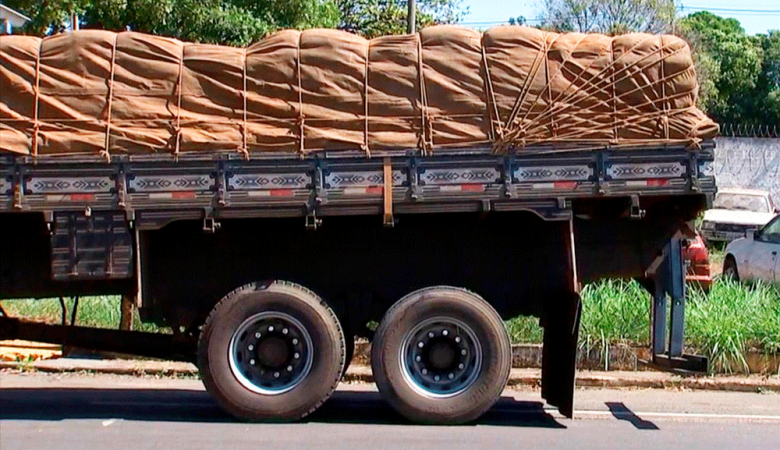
[749, 162]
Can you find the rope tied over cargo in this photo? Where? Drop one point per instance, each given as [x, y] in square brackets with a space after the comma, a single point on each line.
[243, 149]
[36, 123]
[109, 102]
[426, 130]
[301, 121]
[177, 127]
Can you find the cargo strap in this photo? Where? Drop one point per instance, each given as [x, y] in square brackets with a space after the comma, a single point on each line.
[106, 149]
[36, 123]
[301, 116]
[389, 221]
[426, 131]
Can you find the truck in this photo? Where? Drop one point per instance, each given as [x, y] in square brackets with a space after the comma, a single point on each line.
[270, 209]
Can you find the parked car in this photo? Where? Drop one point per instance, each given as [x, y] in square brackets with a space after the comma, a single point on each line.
[757, 256]
[735, 211]
[697, 258]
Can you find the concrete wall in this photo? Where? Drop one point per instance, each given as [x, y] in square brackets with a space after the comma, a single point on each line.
[749, 163]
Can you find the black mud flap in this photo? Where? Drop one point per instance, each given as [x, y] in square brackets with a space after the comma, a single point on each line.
[559, 354]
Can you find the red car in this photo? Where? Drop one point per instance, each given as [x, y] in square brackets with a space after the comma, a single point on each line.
[697, 259]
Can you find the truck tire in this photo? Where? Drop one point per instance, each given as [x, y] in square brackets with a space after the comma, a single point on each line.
[441, 355]
[271, 352]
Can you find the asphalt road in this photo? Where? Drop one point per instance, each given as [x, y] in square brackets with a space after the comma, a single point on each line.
[40, 411]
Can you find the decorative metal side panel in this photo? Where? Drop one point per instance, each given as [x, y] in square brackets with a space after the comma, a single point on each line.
[486, 175]
[524, 174]
[98, 246]
[63, 185]
[255, 181]
[169, 183]
[348, 179]
[646, 170]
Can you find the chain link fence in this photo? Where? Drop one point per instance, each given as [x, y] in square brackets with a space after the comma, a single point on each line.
[749, 162]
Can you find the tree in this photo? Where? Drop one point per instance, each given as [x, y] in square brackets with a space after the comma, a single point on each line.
[728, 64]
[49, 16]
[231, 22]
[372, 18]
[609, 16]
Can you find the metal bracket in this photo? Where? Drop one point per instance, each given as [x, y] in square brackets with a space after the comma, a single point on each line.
[636, 212]
[387, 192]
[210, 225]
[669, 276]
[19, 190]
[312, 221]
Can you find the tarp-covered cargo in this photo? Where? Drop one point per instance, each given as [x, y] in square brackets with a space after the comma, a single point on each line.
[511, 88]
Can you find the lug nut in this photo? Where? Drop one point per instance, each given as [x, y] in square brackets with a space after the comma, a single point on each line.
[252, 362]
[451, 376]
[276, 374]
[436, 378]
[257, 335]
[251, 347]
[430, 334]
[461, 366]
[457, 339]
[297, 356]
[420, 344]
[463, 352]
[289, 368]
[295, 341]
[270, 328]
[425, 371]
[285, 331]
[445, 333]
[418, 358]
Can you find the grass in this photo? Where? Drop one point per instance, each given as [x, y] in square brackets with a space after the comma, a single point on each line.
[733, 319]
[99, 312]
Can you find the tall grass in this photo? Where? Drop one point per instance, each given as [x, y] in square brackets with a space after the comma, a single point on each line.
[99, 312]
[732, 320]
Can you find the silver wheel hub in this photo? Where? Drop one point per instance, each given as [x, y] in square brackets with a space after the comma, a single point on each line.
[441, 357]
[270, 353]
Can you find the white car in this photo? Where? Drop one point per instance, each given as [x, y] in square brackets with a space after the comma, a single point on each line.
[734, 212]
[757, 256]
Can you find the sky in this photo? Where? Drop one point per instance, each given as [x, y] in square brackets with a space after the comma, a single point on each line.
[756, 16]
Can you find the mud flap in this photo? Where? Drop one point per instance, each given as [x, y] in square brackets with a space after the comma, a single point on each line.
[559, 354]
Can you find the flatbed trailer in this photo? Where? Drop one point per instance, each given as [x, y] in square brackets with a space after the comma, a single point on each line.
[266, 266]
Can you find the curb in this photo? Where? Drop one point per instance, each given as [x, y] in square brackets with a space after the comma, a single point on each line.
[362, 374]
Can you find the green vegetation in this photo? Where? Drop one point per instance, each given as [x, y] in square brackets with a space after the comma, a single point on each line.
[733, 319]
[99, 312]
[724, 325]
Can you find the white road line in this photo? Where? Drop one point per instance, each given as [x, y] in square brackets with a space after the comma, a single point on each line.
[641, 415]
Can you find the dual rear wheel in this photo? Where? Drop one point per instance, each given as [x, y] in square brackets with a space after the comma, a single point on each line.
[276, 352]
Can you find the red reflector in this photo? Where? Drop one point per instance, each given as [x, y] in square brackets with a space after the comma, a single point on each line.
[472, 187]
[374, 190]
[565, 185]
[281, 192]
[183, 195]
[82, 197]
[657, 182]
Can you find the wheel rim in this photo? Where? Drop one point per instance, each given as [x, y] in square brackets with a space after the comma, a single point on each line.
[270, 353]
[441, 357]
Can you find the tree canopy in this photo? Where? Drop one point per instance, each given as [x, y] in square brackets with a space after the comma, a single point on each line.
[739, 74]
[609, 16]
[372, 18]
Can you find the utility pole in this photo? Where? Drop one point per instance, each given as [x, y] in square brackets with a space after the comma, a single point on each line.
[410, 28]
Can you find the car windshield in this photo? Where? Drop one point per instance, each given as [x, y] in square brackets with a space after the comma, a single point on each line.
[742, 202]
